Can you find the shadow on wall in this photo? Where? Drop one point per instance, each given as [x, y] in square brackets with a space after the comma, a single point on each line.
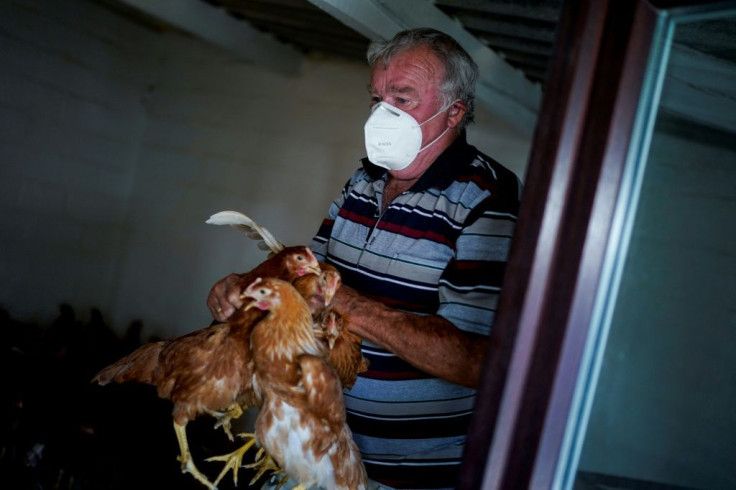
[59, 431]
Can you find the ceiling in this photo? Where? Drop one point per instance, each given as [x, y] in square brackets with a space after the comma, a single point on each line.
[515, 35]
[521, 32]
[510, 40]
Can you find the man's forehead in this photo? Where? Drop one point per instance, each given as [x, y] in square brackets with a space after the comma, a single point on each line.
[406, 72]
[402, 89]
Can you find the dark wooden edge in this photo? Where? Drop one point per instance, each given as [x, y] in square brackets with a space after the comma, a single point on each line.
[615, 104]
[562, 182]
[553, 126]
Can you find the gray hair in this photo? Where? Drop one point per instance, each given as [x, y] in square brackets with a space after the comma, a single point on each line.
[461, 72]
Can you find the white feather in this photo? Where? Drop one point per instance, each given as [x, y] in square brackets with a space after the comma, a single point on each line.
[266, 241]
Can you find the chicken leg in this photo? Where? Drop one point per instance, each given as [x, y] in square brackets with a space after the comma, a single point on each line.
[187, 464]
[234, 459]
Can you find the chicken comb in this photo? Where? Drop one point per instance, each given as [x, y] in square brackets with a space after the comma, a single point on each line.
[266, 241]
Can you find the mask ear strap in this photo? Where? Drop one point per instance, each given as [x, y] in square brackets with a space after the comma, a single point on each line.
[434, 140]
[439, 112]
[443, 132]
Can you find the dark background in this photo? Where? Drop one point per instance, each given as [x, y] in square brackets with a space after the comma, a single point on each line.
[59, 431]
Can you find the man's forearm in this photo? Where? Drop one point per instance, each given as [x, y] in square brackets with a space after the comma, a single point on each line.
[430, 343]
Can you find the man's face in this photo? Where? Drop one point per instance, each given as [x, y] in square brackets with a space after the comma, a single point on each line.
[411, 83]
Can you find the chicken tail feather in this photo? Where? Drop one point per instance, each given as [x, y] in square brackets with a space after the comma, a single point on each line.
[137, 366]
[266, 241]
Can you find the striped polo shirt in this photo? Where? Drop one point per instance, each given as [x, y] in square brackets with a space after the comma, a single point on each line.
[439, 248]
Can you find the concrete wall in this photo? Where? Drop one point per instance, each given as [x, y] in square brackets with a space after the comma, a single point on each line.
[118, 140]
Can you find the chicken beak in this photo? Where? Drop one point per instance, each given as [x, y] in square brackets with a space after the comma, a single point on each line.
[249, 294]
[331, 341]
[313, 266]
[312, 269]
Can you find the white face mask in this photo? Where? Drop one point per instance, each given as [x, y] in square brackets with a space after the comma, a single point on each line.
[393, 138]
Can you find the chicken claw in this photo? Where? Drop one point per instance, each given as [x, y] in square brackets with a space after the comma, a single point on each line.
[234, 460]
[234, 411]
[266, 463]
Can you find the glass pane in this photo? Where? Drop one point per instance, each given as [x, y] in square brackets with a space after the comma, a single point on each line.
[664, 410]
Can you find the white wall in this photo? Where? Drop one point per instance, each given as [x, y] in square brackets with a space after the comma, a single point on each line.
[117, 141]
[664, 403]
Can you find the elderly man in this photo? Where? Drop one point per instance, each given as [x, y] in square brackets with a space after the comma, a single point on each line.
[420, 234]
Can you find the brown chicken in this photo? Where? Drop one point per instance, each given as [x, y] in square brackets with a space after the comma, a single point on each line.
[301, 423]
[343, 346]
[344, 352]
[314, 289]
[208, 371]
[288, 264]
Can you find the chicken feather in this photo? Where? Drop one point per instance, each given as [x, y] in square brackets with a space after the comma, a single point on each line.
[266, 241]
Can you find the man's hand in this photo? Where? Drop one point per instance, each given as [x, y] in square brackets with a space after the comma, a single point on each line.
[224, 297]
[290, 263]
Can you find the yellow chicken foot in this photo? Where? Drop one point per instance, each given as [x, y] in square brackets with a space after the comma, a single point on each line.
[234, 459]
[187, 464]
[266, 463]
[223, 418]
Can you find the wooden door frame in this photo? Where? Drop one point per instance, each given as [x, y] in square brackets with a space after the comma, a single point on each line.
[579, 153]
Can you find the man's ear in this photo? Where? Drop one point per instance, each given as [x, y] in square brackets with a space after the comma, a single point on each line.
[455, 113]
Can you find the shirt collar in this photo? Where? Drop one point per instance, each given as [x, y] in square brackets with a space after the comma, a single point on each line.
[444, 169]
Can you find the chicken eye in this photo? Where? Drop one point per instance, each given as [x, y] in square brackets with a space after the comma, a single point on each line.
[300, 258]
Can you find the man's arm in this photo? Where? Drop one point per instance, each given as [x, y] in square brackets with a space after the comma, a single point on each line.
[430, 343]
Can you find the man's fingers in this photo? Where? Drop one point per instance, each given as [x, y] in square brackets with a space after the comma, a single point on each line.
[224, 298]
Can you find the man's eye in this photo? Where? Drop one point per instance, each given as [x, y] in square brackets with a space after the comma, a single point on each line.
[400, 101]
